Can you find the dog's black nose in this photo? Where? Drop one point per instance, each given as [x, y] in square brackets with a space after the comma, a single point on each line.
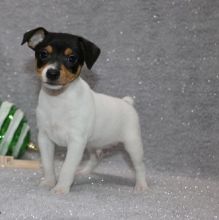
[52, 74]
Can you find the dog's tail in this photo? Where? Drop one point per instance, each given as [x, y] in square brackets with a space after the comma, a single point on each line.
[129, 100]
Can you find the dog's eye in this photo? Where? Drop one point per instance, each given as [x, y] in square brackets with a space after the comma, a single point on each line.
[43, 54]
[72, 59]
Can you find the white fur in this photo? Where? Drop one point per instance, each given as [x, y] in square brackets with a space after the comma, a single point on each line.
[36, 38]
[79, 118]
[44, 78]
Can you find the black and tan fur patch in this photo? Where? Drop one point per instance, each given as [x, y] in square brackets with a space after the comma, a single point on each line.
[66, 76]
[49, 49]
[68, 52]
[39, 70]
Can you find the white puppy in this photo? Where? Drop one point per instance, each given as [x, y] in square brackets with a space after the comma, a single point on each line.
[70, 114]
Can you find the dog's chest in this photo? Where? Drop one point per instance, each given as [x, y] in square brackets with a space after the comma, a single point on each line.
[54, 123]
[58, 119]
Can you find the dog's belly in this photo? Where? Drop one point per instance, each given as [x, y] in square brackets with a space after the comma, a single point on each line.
[100, 145]
[105, 137]
[110, 121]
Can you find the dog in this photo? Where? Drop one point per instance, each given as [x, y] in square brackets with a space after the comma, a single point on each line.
[71, 114]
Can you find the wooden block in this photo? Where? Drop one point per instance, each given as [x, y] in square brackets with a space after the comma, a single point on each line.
[10, 162]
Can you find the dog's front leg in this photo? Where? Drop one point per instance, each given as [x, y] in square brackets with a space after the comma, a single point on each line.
[47, 156]
[73, 158]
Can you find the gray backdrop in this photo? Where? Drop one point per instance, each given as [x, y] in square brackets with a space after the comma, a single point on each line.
[164, 53]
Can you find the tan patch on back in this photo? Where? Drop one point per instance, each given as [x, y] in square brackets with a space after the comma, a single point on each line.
[68, 52]
[66, 76]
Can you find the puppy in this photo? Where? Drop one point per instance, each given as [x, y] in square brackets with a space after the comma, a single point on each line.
[70, 114]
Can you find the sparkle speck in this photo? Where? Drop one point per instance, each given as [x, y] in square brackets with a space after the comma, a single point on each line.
[70, 212]
[184, 123]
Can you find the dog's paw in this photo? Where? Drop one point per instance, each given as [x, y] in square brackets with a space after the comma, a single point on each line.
[60, 190]
[48, 183]
[141, 187]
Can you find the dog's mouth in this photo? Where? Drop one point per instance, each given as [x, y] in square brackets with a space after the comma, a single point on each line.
[53, 85]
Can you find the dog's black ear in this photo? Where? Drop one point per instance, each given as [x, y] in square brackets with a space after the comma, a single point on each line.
[90, 52]
[34, 37]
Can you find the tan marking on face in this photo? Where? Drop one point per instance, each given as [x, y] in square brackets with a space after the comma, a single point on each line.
[68, 52]
[39, 71]
[49, 49]
[66, 76]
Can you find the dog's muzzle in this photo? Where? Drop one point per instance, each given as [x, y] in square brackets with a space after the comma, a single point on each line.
[52, 74]
[50, 78]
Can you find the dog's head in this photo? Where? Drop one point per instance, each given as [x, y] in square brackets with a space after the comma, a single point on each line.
[60, 56]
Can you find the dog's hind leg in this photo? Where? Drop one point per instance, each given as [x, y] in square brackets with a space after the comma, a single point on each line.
[133, 145]
[87, 166]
